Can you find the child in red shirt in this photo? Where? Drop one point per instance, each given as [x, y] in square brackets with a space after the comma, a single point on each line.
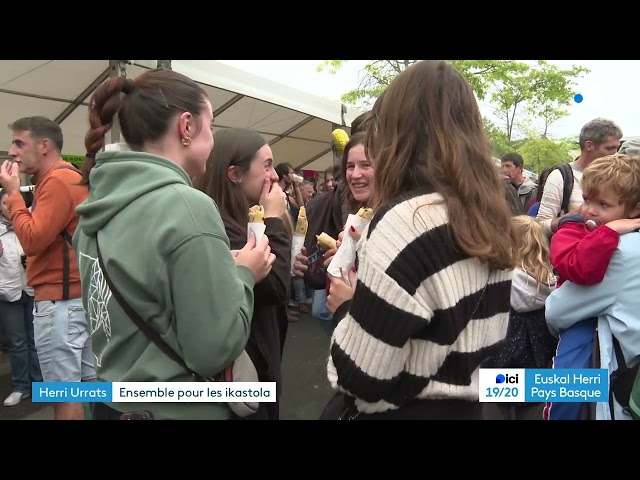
[581, 250]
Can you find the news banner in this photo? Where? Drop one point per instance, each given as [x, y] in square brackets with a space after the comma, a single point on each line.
[150, 392]
[544, 385]
[496, 385]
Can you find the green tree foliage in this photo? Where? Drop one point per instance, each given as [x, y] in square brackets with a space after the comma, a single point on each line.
[541, 91]
[378, 74]
[483, 74]
[527, 99]
[498, 138]
[374, 79]
[540, 153]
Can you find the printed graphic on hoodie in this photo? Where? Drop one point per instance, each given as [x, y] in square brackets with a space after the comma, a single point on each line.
[99, 296]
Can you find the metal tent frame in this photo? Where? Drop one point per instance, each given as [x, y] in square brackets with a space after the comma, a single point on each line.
[296, 124]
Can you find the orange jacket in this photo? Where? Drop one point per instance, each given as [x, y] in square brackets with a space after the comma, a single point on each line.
[56, 196]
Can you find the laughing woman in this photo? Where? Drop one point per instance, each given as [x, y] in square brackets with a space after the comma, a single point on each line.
[328, 213]
[240, 173]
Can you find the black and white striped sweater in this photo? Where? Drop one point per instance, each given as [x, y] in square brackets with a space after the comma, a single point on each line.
[424, 316]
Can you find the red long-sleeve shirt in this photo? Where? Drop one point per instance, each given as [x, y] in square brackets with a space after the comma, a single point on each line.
[580, 255]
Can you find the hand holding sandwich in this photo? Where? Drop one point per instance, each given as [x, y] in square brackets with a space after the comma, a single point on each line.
[256, 257]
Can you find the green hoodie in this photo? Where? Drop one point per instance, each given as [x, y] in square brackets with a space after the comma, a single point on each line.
[165, 249]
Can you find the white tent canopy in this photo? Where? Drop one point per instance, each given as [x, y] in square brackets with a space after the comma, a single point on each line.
[297, 125]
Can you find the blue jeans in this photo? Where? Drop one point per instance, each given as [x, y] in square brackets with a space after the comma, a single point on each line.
[18, 323]
[319, 310]
[63, 341]
[3, 334]
[575, 350]
[299, 294]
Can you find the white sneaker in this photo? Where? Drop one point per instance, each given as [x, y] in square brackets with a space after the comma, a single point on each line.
[15, 398]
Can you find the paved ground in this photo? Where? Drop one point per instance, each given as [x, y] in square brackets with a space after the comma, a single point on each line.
[305, 390]
[25, 408]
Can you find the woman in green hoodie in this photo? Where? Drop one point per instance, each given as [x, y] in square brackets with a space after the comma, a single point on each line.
[163, 244]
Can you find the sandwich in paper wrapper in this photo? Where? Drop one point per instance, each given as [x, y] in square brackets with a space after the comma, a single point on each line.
[345, 258]
[256, 222]
[298, 236]
[325, 241]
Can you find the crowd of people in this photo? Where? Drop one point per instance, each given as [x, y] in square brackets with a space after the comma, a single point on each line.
[141, 267]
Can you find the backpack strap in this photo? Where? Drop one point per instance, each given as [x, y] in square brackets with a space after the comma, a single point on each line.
[567, 177]
[619, 358]
[146, 328]
[533, 199]
[622, 380]
[67, 238]
[65, 264]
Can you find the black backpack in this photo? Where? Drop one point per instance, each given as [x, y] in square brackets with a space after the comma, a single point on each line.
[567, 177]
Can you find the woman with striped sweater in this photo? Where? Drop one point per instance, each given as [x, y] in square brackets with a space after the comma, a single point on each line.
[431, 301]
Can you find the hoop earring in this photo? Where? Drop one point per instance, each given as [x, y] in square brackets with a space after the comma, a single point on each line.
[186, 141]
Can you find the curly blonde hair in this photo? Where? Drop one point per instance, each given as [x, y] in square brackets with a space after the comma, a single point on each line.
[618, 174]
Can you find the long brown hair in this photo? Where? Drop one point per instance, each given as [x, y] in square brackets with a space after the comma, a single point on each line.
[427, 131]
[232, 147]
[152, 100]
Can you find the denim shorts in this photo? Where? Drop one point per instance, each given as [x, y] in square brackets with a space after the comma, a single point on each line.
[63, 341]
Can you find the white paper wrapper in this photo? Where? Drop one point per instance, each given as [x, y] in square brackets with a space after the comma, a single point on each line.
[296, 247]
[345, 257]
[258, 229]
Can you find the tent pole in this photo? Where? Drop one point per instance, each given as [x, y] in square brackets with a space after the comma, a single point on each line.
[117, 68]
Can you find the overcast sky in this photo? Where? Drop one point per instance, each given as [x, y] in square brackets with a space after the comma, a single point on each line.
[610, 90]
